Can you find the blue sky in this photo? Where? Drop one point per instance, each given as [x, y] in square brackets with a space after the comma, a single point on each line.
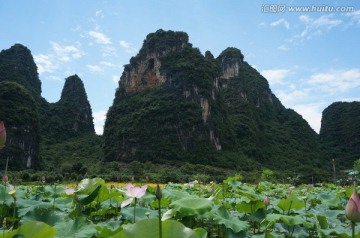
[308, 50]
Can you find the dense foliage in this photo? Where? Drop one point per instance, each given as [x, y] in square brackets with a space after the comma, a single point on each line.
[193, 210]
[267, 132]
[340, 132]
[193, 115]
[19, 112]
[17, 65]
[71, 116]
[199, 116]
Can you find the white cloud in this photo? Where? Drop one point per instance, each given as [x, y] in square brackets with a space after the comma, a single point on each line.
[275, 76]
[115, 79]
[335, 81]
[108, 64]
[355, 17]
[289, 97]
[128, 47]
[99, 14]
[317, 26]
[44, 64]
[281, 21]
[94, 68]
[312, 113]
[99, 121]
[283, 48]
[66, 53]
[100, 38]
[108, 51]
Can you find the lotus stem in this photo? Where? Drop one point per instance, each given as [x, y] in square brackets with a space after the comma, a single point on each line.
[135, 209]
[160, 224]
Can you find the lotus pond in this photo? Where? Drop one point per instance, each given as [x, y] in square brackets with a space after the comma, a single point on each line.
[95, 209]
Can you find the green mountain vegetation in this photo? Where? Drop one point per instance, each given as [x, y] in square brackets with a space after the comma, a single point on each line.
[177, 115]
[340, 132]
[19, 112]
[218, 112]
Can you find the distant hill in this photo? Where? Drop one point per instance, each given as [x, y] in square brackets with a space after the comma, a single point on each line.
[340, 132]
[176, 111]
[29, 119]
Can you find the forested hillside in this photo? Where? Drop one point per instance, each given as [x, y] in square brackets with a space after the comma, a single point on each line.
[178, 114]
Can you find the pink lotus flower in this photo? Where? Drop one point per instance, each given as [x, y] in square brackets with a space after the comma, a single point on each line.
[352, 208]
[133, 192]
[2, 135]
[69, 191]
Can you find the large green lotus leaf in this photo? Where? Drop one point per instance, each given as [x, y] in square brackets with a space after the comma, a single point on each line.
[108, 229]
[173, 195]
[250, 207]
[222, 216]
[251, 195]
[63, 203]
[295, 231]
[87, 185]
[140, 213]
[163, 203]
[322, 221]
[291, 202]
[271, 219]
[48, 216]
[268, 234]
[200, 232]
[149, 228]
[192, 206]
[27, 205]
[54, 190]
[4, 196]
[86, 199]
[32, 229]
[79, 228]
[330, 199]
[105, 194]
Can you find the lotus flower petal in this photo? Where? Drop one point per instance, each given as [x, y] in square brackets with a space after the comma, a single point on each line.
[69, 191]
[126, 202]
[135, 192]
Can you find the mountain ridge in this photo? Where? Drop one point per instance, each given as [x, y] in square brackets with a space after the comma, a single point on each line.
[175, 105]
[239, 113]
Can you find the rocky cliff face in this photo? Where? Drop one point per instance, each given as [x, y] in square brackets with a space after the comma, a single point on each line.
[19, 112]
[144, 69]
[29, 117]
[173, 103]
[230, 61]
[20, 89]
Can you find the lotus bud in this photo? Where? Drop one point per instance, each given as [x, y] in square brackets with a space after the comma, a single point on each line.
[267, 201]
[352, 208]
[158, 192]
[5, 178]
[2, 135]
